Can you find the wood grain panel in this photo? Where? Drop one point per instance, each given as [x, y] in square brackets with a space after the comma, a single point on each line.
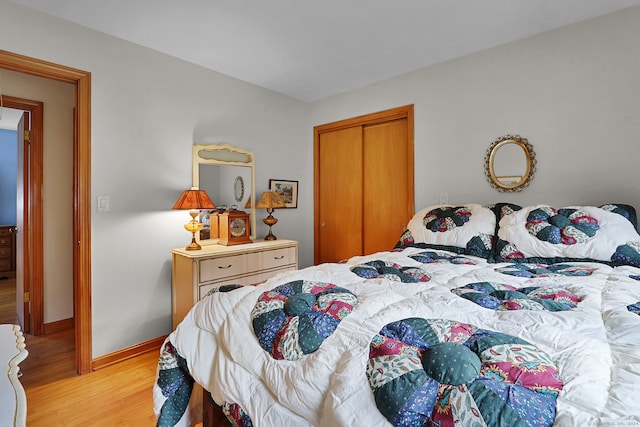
[374, 196]
[340, 195]
[387, 207]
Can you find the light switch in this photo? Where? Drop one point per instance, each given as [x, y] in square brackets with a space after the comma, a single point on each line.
[103, 204]
[444, 198]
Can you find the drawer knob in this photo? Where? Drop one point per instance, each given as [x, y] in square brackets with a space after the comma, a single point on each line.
[224, 268]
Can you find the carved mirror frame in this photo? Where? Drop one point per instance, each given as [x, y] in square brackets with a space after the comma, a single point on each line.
[519, 182]
[225, 155]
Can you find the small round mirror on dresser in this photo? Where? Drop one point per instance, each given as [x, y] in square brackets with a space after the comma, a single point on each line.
[238, 188]
[510, 163]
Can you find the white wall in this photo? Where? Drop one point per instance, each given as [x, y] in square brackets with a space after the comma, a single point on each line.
[57, 192]
[147, 111]
[574, 93]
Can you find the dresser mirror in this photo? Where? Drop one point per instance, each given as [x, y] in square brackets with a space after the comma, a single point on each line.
[510, 163]
[223, 171]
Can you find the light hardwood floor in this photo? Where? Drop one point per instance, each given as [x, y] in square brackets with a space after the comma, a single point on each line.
[7, 300]
[118, 395]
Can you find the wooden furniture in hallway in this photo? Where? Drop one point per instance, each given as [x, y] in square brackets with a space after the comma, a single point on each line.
[7, 251]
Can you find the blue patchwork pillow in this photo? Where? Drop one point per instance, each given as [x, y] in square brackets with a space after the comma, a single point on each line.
[464, 229]
[543, 234]
[627, 211]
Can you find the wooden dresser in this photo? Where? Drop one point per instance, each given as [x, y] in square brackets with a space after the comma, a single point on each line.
[7, 251]
[194, 273]
[13, 400]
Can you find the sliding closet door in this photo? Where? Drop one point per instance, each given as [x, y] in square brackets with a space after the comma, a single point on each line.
[388, 183]
[339, 179]
[363, 183]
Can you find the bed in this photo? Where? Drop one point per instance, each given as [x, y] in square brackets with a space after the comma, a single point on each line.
[481, 315]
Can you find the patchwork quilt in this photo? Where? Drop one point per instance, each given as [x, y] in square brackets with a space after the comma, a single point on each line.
[422, 335]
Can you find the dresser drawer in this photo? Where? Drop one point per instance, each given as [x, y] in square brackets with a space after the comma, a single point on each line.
[218, 268]
[5, 241]
[5, 252]
[4, 231]
[5, 265]
[277, 258]
[244, 281]
[195, 273]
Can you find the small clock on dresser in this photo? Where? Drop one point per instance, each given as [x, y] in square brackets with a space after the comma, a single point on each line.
[234, 228]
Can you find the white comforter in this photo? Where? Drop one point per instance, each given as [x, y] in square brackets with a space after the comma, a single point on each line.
[596, 346]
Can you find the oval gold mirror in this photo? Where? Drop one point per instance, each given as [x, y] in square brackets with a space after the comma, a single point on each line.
[510, 163]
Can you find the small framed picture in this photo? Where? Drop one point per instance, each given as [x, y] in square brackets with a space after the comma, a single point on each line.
[288, 190]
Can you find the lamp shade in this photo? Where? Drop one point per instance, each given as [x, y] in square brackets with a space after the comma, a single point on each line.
[270, 200]
[194, 199]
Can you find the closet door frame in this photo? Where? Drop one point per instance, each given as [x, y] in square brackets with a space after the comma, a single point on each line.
[404, 112]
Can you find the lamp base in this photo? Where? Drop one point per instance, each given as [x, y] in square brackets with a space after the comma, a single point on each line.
[270, 221]
[193, 246]
[193, 227]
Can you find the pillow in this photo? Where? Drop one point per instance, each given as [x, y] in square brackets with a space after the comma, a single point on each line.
[466, 229]
[626, 211]
[543, 234]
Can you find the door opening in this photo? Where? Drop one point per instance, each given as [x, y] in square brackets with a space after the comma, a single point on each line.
[81, 191]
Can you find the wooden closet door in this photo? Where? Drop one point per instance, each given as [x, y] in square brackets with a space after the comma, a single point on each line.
[339, 194]
[363, 183]
[388, 184]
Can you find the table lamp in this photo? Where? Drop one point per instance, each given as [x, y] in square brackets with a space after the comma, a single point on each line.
[270, 200]
[193, 200]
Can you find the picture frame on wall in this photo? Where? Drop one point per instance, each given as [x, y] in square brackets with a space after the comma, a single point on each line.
[287, 189]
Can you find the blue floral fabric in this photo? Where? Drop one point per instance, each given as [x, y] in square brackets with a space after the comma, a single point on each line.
[391, 271]
[467, 229]
[543, 270]
[446, 218]
[634, 308]
[627, 211]
[563, 226]
[294, 319]
[430, 257]
[176, 385]
[500, 296]
[236, 415]
[419, 370]
[628, 254]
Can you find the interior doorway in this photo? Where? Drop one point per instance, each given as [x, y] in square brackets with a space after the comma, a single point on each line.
[81, 191]
[29, 255]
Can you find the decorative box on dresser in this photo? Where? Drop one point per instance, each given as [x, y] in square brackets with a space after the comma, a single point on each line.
[194, 273]
[7, 251]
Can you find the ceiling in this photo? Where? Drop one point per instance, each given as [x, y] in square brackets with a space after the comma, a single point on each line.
[309, 49]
